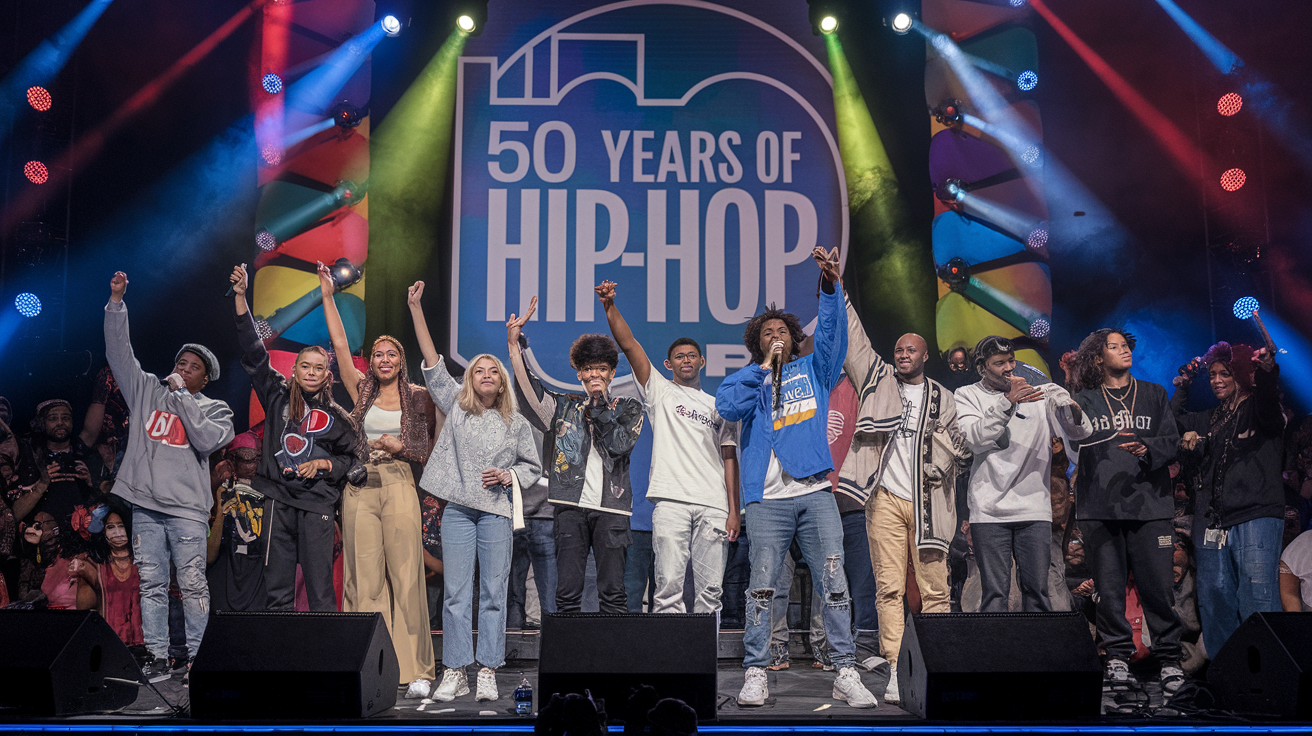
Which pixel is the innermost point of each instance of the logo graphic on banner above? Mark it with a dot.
(684, 150)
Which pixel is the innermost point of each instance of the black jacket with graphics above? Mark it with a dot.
(1242, 455)
(325, 432)
(1111, 483)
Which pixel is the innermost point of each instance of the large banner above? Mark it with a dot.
(683, 149)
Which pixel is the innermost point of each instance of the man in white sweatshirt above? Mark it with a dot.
(1009, 426)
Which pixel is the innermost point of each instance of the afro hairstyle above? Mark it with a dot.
(592, 349)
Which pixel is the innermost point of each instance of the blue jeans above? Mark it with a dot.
(736, 572)
(773, 524)
(534, 543)
(158, 539)
(1238, 580)
(469, 536)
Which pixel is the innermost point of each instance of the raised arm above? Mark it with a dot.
(254, 357)
(337, 334)
(831, 326)
(540, 403)
(862, 361)
(619, 329)
(414, 299)
(132, 380)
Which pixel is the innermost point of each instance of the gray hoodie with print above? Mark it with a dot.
(166, 465)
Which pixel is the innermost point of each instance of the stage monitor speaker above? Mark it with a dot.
(611, 654)
(294, 665)
(1265, 667)
(999, 666)
(56, 663)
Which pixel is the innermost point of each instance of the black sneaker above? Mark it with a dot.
(179, 663)
(155, 670)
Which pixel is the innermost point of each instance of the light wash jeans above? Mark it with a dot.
(468, 536)
(157, 539)
(772, 524)
(1240, 579)
(682, 532)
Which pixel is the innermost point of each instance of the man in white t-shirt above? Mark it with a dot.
(694, 469)
(1009, 426)
(1296, 574)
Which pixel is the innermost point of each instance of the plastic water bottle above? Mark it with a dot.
(524, 698)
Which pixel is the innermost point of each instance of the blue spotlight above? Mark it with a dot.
(1031, 155)
(272, 83)
(1040, 328)
(1225, 60)
(1027, 80)
(27, 304)
(315, 92)
(45, 61)
(901, 24)
(391, 25)
(1245, 306)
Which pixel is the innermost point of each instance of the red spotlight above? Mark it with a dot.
(272, 155)
(1229, 104)
(36, 172)
(1233, 179)
(39, 98)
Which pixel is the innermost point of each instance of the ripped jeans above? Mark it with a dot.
(772, 524)
(157, 540)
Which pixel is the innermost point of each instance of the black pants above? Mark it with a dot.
(1117, 549)
(1029, 543)
(607, 535)
(296, 536)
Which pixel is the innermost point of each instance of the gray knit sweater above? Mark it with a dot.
(471, 443)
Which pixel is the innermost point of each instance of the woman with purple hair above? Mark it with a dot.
(1236, 449)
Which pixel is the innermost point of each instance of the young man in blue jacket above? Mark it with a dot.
(782, 401)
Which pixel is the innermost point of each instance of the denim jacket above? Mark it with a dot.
(568, 421)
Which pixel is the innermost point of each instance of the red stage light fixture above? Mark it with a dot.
(39, 98)
(1229, 104)
(1233, 179)
(36, 172)
(272, 155)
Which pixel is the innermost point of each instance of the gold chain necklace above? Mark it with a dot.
(1132, 393)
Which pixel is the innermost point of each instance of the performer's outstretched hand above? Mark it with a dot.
(515, 326)
(118, 286)
(828, 262)
(414, 294)
(238, 280)
(326, 283)
(606, 292)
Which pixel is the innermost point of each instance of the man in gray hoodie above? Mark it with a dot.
(165, 476)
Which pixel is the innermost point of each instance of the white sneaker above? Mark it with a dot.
(420, 688)
(848, 686)
(755, 689)
(891, 695)
(453, 686)
(487, 684)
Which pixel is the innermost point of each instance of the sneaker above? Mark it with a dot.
(891, 695)
(848, 686)
(420, 688)
(777, 665)
(1116, 676)
(487, 684)
(755, 689)
(155, 670)
(186, 676)
(1172, 677)
(453, 686)
(179, 663)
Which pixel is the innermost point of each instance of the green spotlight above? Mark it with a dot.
(466, 24)
(828, 24)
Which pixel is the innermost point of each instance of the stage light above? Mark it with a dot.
(954, 190)
(1245, 306)
(345, 115)
(271, 154)
(1017, 3)
(828, 24)
(346, 274)
(901, 24)
(1040, 328)
(1229, 104)
(1038, 238)
(949, 114)
(36, 172)
(391, 25)
(1031, 155)
(39, 98)
(265, 240)
(466, 24)
(272, 83)
(1233, 179)
(1027, 80)
(27, 304)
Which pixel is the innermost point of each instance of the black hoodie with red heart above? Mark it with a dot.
(325, 432)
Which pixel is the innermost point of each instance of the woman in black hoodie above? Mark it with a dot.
(309, 450)
(1236, 450)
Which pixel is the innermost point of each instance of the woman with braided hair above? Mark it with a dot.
(1124, 501)
(383, 551)
(1236, 449)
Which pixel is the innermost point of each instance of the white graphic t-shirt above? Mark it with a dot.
(899, 475)
(687, 434)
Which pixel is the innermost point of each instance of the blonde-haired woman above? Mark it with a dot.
(484, 447)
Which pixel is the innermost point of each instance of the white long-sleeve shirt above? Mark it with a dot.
(1010, 475)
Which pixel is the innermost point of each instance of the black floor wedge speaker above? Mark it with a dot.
(294, 665)
(611, 654)
(1265, 667)
(999, 666)
(56, 663)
